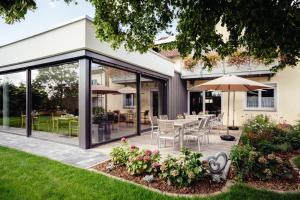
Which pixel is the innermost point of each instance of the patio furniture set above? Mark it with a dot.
(191, 128)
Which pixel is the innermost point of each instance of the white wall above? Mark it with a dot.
(149, 60)
(58, 40)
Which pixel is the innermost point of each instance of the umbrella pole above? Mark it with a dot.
(228, 104)
(233, 109)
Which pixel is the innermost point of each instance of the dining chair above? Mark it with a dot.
(154, 126)
(194, 113)
(198, 133)
(167, 131)
(163, 117)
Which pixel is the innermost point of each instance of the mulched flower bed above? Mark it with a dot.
(279, 185)
(206, 186)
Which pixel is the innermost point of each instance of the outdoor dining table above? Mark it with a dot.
(181, 124)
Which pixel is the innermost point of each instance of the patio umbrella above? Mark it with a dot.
(231, 83)
(102, 89)
(127, 90)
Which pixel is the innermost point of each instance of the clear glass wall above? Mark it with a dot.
(55, 103)
(151, 101)
(13, 102)
(113, 102)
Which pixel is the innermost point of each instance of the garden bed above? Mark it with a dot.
(276, 184)
(206, 186)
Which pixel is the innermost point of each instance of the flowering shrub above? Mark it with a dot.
(248, 163)
(142, 161)
(119, 155)
(258, 129)
(183, 171)
(242, 159)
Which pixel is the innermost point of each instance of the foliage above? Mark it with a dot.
(142, 161)
(238, 59)
(258, 129)
(183, 171)
(248, 163)
(297, 161)
(42, 177)
(120, 154)
(265, 29)
(242, 159)
(61, 85)
(98, 114)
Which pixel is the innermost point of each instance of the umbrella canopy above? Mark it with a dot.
(127, 90)
(101, 89)
(231, 83)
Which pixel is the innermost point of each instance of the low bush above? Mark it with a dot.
(250, 164)
(183, 171)
(143, 161)
(297, 161)
(258, 129)
(242, 160)
(120, 155)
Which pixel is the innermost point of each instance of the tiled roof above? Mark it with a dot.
(170, 53)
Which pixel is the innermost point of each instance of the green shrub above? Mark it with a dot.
(242, 160)
(297, 161)
(142, 161)
(258, 129)
(271, 166)
(119, 155)
(283, 147)
(183, 171)
(294, 139)
(266, 147)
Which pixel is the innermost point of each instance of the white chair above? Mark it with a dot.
(154, 126)
(217, 122)
(199, 133)
(163, 117)
(167, 131)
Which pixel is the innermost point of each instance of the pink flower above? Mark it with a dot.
(124, 140)
(156, 152)
(147, 158)
(139, 158)
(155, 165)
(132, 146)
(148, 152)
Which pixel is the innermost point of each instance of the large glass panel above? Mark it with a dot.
(213, 102)
(252, 99)
(113, 103)
(13, 102)
(151, 101)
(196, 102)
(55, 103)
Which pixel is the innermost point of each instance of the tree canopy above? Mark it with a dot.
(268, 30)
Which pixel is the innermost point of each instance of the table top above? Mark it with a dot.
(182, 122)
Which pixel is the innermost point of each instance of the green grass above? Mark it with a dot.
(297, 161)
(26, 176)
(44, 124)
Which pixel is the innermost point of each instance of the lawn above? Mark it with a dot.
(26, 176)
(297, 161)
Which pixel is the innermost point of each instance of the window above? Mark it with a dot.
(94, 82)
(128, 100)
(262, 99)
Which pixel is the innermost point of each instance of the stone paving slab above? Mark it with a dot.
(56, 151)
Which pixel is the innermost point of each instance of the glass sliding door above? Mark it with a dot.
(213, 102)
(196, 102)
(113, 103)
(55, 103)
(13, 102)
(151, 100)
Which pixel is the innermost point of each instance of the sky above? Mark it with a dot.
(50, 13)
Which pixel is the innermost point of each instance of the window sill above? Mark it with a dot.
(261, 109)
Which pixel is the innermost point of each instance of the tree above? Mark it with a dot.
(267, 30)
(60, 83)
